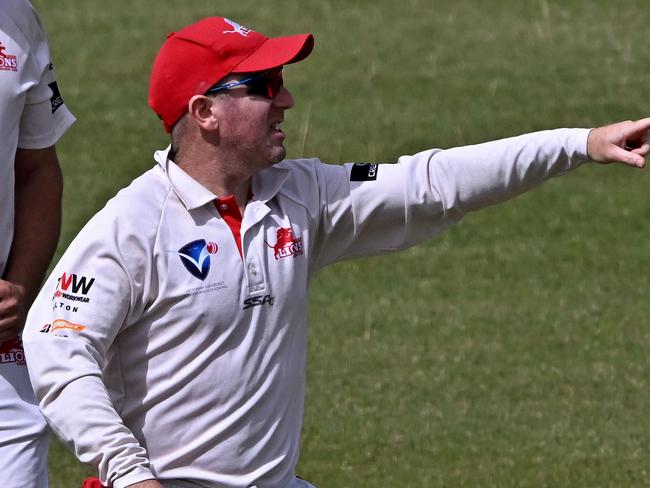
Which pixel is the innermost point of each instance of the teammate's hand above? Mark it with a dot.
(12, 309)
(625, 142)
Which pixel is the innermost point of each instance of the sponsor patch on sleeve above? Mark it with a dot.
(364, 172)
(56, 99)
(59, 327)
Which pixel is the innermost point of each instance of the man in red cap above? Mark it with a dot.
(168, 347)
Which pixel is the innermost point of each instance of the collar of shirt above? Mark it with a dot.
(265, 185)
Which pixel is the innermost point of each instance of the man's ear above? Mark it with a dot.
(201, 111)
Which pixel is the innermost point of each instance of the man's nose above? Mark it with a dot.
(283, 99)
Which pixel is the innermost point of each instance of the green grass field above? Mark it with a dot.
(509, 352)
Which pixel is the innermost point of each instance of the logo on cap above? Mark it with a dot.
(238, 29)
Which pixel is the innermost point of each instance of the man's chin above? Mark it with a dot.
(273, 157)
(279, 155)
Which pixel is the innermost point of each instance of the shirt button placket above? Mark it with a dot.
(254, 275)
(253, 270)
(252, 262)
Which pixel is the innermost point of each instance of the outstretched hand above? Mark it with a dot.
(625, 142)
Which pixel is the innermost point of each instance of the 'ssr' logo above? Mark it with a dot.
(195, 256)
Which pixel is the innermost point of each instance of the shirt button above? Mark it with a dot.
(252, 269)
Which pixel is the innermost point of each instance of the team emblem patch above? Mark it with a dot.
(8, 62)
(287, 244)
(195, 256)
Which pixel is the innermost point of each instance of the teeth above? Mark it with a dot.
(276, 126)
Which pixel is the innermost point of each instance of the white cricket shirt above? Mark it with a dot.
(158, 345)
(32, 113)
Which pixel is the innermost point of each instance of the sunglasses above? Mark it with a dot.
(266, 84)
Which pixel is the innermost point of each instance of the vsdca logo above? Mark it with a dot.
(195, 256)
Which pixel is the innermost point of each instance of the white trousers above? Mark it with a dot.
(23, 432)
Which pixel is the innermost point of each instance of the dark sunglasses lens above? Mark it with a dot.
(267, 86)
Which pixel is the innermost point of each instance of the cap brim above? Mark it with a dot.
(277, 51)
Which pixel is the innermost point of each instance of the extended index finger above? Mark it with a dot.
(637, 140)
(639, 127)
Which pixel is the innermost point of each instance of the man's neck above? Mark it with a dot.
(220, 178)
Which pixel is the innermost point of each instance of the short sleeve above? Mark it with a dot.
(45, 116)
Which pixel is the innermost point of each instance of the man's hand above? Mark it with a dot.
(147, 484)
(12, 309)
(625, 142)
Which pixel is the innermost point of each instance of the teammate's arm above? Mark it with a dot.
(95, 292)
(38, 189)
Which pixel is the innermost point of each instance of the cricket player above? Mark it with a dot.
(168, 347)
(32, 119)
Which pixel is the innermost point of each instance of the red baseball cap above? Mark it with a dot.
(196, 57)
